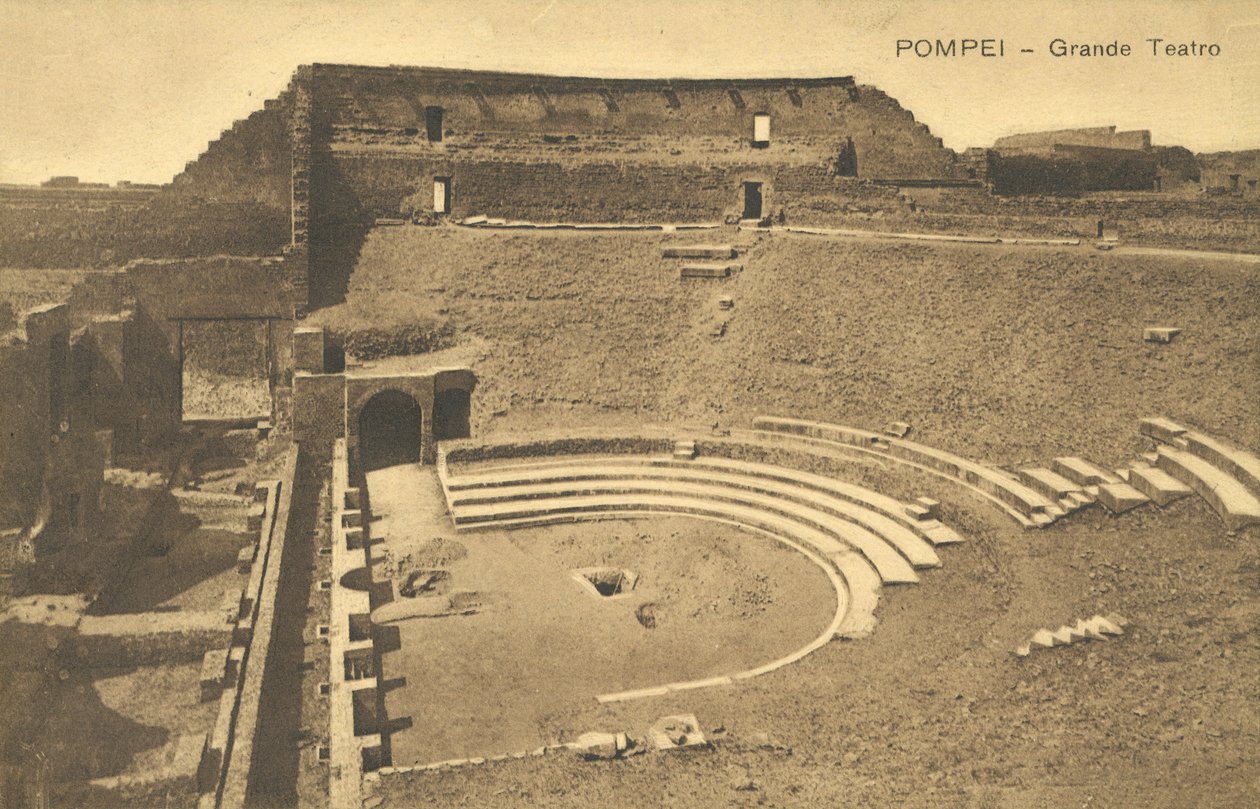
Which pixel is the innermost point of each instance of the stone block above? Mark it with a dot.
(1159, 334)
(1161, 429)
(245, 558)
(254, 521)
(1120, 497)
(685, 450)
(599, 745)
(699, 251)
(1081, 471)
(897, 429)
(213, 673)
(708, 270)
(917, 512)
(1049, 484)
(1161, 487)
(933, 506)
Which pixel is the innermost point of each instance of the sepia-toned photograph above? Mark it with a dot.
(584, 405)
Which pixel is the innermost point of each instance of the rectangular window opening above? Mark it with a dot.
(761, 130)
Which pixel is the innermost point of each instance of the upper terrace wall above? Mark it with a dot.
(581, 149)
(486, 110)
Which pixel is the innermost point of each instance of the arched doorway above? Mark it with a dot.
(389, 431)
(450, 414)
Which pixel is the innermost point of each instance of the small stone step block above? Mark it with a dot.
(1120, 497)
(1161, 429)
(1161, 487)
(708, 270)
(685, 450)
(699, 251)
(1082, 472)
(1159, 334)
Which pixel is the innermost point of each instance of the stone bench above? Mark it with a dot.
(612, 476)
(821, 531)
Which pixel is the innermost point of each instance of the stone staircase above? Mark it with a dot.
(717, 266)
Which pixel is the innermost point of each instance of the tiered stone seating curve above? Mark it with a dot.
(863, 539)
(1227, 477)
(1028, 507)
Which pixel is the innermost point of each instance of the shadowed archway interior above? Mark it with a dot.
(389, 430)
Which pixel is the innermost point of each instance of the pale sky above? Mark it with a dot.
(133, 89)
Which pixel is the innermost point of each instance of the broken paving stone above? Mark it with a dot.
(677, 731)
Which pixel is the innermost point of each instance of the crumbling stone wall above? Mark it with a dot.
(50, 461)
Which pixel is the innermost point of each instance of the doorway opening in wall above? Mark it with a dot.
(450, 414)
(752, 201)
(389, 431)
(433, 123)
(441, 194)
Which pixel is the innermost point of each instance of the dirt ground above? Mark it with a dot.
(935, 710)
(1002, 353)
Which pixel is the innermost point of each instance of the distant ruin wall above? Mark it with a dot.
(1099, 136)
(67, 236)
(1072, 170)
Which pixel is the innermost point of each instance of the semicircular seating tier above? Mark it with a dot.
(861, 538)
(1226, 476)
(1028, 506)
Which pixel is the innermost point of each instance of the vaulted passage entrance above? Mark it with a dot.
(389, 431)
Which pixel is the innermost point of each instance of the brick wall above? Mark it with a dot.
(319, 412)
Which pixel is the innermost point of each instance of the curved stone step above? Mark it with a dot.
(1016, 498)
(1241, 464)
(613, 475)
(885, 556)
(1232, 500)
(932, 530)
(892, 568)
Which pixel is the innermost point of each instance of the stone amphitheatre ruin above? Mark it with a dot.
(449, 437)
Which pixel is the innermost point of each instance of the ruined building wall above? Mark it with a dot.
(1072, 170)
(50, 462)
(539, 147)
